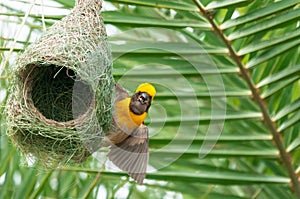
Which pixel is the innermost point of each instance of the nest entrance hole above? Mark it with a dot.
(57, 93)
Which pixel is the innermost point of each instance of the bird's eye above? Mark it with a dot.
(143, 98)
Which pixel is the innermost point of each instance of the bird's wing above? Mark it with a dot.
(132, 155)
(120, 93)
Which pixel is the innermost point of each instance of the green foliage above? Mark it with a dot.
(229, 67)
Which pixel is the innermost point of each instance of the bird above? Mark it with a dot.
(127, 137)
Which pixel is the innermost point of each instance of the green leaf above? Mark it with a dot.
(291, 121)
(28, 184)
(118, 18)
(218, 178)
(41, 186)
(163, 48)
(283, 74)
(272, 53)
(214, 177)
(265, 25)
(294, 145)
(269, 43)
(272, 90)
(290, 108)
(205, 94)
(221, 138)
(6, 161)
(194, 153)
(66, 3)
(167, 72)
(225, 4)
(240, 116)
(14, 49)
(159, 4)
(260, 13)
(54, 17)
(276, 193)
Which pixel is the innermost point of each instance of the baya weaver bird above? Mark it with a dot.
(128, 136)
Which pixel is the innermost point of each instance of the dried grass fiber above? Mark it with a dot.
(60, 101)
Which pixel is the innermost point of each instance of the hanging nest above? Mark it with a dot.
(60, 102)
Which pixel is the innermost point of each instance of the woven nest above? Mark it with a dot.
(60, 102)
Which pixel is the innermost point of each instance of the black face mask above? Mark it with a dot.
(140, 103)
(144, 98)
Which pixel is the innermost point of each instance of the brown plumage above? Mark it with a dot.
(128, 136)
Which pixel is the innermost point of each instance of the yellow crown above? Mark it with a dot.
(147, 88)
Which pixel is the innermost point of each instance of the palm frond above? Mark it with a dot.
(225, 121)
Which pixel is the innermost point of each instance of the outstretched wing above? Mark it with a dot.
(132, 155)
(120, 93)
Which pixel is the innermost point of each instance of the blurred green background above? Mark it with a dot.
(225, 121)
